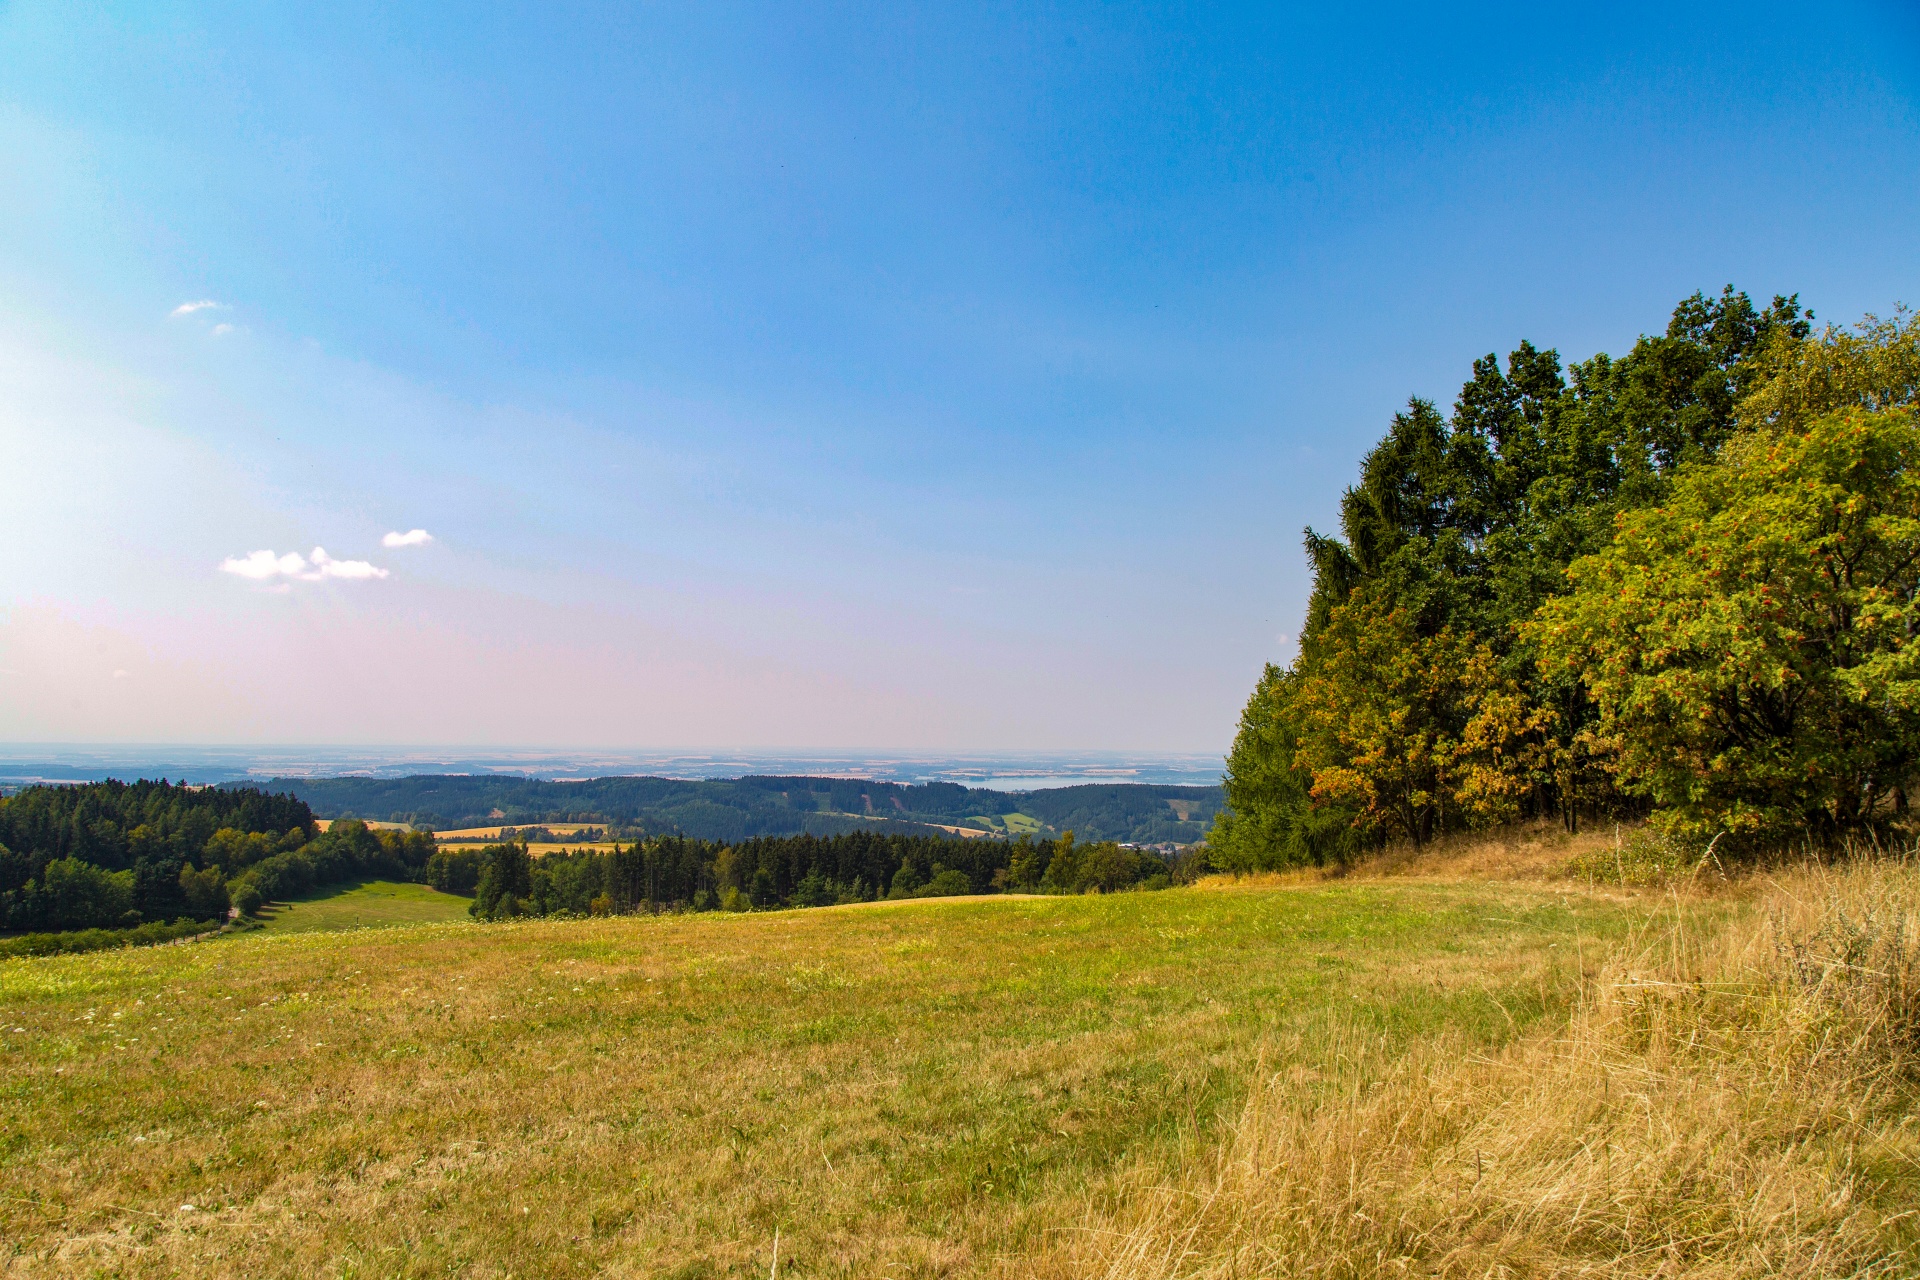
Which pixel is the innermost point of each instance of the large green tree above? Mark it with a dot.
(1417, 701)
(1748, 643)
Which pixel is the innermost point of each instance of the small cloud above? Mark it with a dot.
(263, 566)
(325, 566)
(411, 538)
(119, 674)
(188, 308)
(221, 330)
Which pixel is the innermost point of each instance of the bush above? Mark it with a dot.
(48, 944)
(947, 884)
(246, 896)
(205, 892)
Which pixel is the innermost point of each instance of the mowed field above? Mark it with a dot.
(367, 904)
(921, 1088)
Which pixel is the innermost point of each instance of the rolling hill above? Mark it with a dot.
(740, 808)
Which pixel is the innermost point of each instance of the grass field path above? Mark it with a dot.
(914, 1091)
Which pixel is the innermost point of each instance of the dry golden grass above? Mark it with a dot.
(919, 1090)
(1384, 1074)
(1724, 1103)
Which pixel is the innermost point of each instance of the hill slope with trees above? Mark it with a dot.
(736, 809)
(1681, 583)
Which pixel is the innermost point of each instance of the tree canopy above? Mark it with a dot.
(1679, 580)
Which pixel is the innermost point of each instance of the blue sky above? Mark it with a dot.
(818, 377)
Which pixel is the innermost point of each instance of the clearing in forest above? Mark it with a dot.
(364, 904)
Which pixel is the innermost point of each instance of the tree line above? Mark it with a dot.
(737, 809)
(131, 856)
(119, 855)
(1679, 583)
(676, 873)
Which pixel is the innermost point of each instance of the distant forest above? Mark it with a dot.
(672, 873)
(118, 855)
(743, 808)
(128, 857)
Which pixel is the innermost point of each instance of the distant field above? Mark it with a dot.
(367, 904)
(324, 823)
(493, 833)
(920, 1090)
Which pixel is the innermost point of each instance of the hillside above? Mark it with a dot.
(912, 1084)
(1355, 1077)
(740, 808)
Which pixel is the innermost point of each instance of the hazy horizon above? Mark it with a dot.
(29, 763)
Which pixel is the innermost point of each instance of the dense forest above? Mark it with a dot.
(119, 855)
(742, 808)
(678, 873)
(1681, 583)
(114, 855)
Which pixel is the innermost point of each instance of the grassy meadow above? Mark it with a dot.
(921, 1088)
(1217, 1081)
(362, 905)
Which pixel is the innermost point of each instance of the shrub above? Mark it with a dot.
(947, 884)
(205, 892)
(246, 896)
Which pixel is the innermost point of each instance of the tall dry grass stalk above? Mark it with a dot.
(1740, 1104)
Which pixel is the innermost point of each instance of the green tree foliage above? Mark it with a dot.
(455, 870)
(1418, 701)
(1749, 643)
(78, 895)
(233, 864)
(738, 809)
(347, 850)
(169, 847)
(673, 873)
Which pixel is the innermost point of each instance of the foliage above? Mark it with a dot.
(1749, 643)
(347, 850)
(455, 870)
(116, 853)
(1381, 713)
(672, 873)
(1418, 702)
(79, 940)
(737, 809)
(1267, 821)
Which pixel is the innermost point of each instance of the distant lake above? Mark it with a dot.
(27, 763)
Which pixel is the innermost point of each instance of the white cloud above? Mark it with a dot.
(188, 308)
(261, 565)
(264, 565)
(221, 330)
(325, 566)
(411, 538)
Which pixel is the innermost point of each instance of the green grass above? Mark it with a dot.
(367, 904)
(913, 1089)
